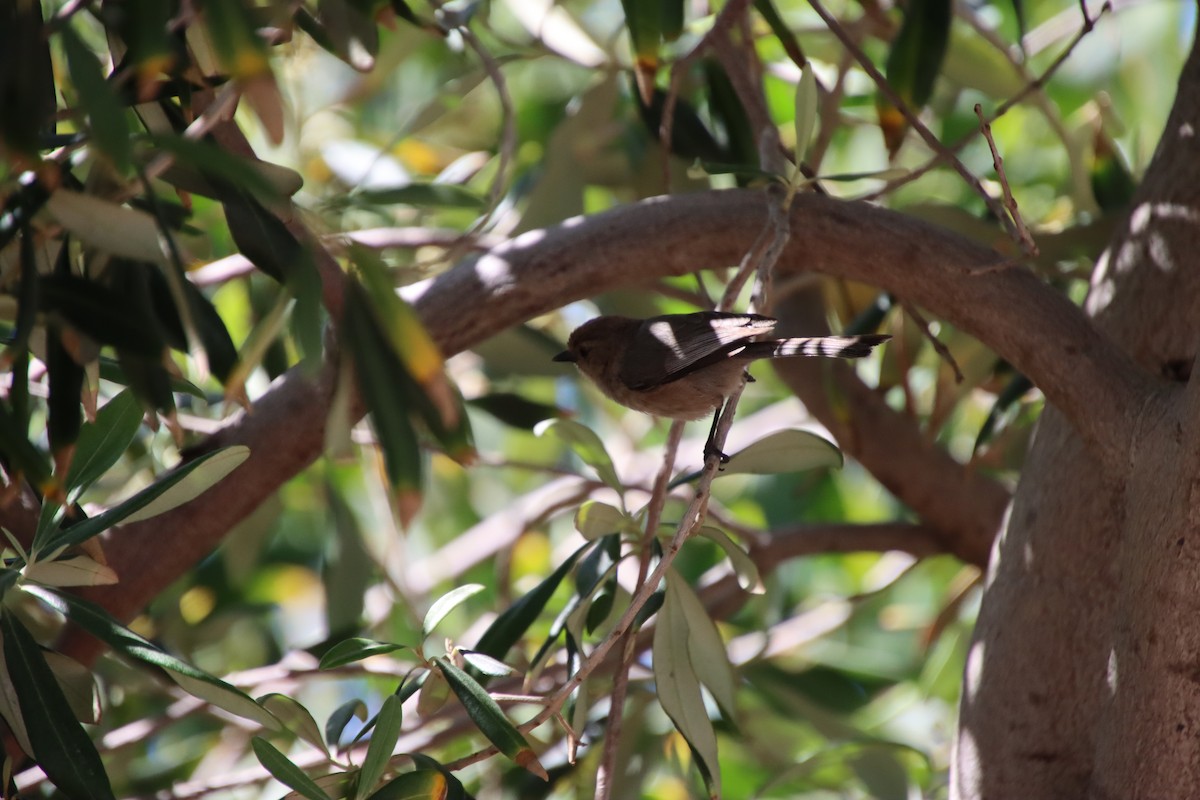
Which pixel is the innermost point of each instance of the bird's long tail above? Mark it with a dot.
(827, 346)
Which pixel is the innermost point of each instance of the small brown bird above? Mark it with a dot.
(683, 366)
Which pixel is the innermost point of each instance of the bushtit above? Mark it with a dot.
(683, 366)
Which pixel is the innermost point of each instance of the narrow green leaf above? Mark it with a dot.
(679, 688)
(352, 650)
(806, 110)
(507, 628)
(23, 456)
(486, 665)
(644, 20)
(743, 566)
(447, 603)
(66, 386)
(214, 336)
(206, 169)
(295, 718)
(515, 410)
(157, 497)
(204, 473)
(260, 235)
(103, 442)
(108, 316)
(489, 718)
(61, 747)
(335, 726)
(706, 649)
(285, 771)
(106, 114)
(379, 750)
(913, 64)
(422, 383)
(98, 623)
(586, 444)
(595, 520)
(784, 451)
(378, 369)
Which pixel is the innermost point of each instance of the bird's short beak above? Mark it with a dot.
(565, 355)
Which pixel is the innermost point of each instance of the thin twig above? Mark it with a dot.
(938, 347)
(1036, 85)
(605, 779)
(508, 131)
(1010, 202)
(911, 117)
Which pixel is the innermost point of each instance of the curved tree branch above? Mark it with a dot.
(1026, 322)
(1040, 332)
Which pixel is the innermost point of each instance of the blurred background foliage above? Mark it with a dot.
(401, 156)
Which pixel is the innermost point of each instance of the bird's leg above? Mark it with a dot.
(710, 444)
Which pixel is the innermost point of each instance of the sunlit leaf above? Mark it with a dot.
(586, 444)
(110, 227)
(743, 566)
(76, 571)
(295, 717)
(201, 475)
(806, 110)
(447, 603)
(486, 665)
(595, 519)
(782, 452)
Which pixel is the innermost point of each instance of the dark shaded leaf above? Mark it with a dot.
(27, 94)
(913, 64)
(61, 747)
(356, 649)
(284, 770)
(511, 625)
(106, 113)
(379, 370)
(515, 410)
(489, 718)
(106, 315)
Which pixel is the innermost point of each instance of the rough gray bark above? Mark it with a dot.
(1084, 675)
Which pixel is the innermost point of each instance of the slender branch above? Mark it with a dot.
(835, 26)
(1010, 202)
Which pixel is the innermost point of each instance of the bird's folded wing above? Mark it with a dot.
(670, 347)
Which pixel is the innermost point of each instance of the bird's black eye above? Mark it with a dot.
(582, 350)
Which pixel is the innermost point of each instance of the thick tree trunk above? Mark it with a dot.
(1084, 675)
